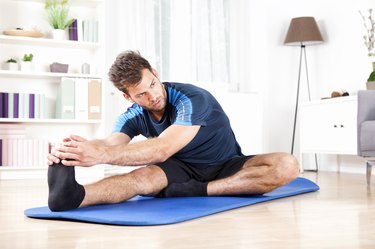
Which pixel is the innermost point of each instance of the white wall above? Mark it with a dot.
(341, 62)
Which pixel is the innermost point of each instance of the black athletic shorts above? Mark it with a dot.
(178, 171)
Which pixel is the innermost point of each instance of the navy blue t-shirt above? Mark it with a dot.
(187, 105)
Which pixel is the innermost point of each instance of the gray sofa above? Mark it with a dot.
(366, 128)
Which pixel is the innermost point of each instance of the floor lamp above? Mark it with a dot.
(302, 31)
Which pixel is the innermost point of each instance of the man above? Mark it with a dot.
(190, 151)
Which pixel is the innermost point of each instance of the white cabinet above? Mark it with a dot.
(329, 126)
(30, 13)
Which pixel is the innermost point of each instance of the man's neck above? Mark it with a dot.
(157, 116)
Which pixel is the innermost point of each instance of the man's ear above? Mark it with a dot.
(127, 97)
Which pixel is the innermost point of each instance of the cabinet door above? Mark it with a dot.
(329, 127)
(315, 129)
(344, 122)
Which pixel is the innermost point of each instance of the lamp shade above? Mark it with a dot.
(303, 31)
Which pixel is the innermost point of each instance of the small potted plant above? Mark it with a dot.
(11, 65)
(58, 12)
(27, 63)
(370, 84)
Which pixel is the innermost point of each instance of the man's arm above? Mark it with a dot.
(146, 152)
(115, 138)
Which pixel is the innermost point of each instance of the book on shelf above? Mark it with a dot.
(65, 101)
(1, 152)
(94, 99)
(26, 103)
(73, 32)
(79, 99)
(5, 104)
(16, 105)
(1, 105)
(31, 105)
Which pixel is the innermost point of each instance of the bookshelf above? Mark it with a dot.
(30, 13)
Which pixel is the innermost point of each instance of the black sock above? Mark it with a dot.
(185, 189)
(64, 191)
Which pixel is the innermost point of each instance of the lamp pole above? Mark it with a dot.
(297, 98)
(302, 54)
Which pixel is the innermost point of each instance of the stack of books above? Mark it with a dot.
(79, 99)
(84, 30)
(18, 150)
(22, 105)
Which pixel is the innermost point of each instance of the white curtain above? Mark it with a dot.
(185, 40)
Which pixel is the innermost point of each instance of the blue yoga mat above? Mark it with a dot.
(147, 211)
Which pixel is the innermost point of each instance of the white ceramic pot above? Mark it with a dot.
(27, 66)
(11, 66)
(59, 34)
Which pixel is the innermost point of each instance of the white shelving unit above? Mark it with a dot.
(30, 13)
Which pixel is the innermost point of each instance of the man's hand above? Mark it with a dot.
(52, 157)
(78, 151)
(55, 154)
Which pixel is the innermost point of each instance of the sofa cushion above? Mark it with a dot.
(367, 136)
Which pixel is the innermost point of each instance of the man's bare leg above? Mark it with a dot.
(148, 180)
(260, 174)
(65, 193)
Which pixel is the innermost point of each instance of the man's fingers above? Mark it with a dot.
(68, 156)
(70, 162)
(52, 159)
(70, 143)
(77, 138)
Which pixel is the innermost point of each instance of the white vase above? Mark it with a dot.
(59, 34)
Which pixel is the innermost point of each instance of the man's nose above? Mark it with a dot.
(151, 96)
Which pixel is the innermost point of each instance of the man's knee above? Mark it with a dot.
(287, 167)
(149, 180)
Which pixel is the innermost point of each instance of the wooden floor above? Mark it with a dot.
(341, 215)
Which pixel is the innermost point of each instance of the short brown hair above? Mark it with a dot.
(127, 69)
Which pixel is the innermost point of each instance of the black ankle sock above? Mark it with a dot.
(185, 189)
(64, 191)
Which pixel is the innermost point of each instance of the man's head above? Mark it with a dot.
(133, 75)
(127, 69)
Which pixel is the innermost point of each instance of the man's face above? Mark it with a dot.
(149, 93)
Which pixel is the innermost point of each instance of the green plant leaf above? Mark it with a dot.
(58, 13)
